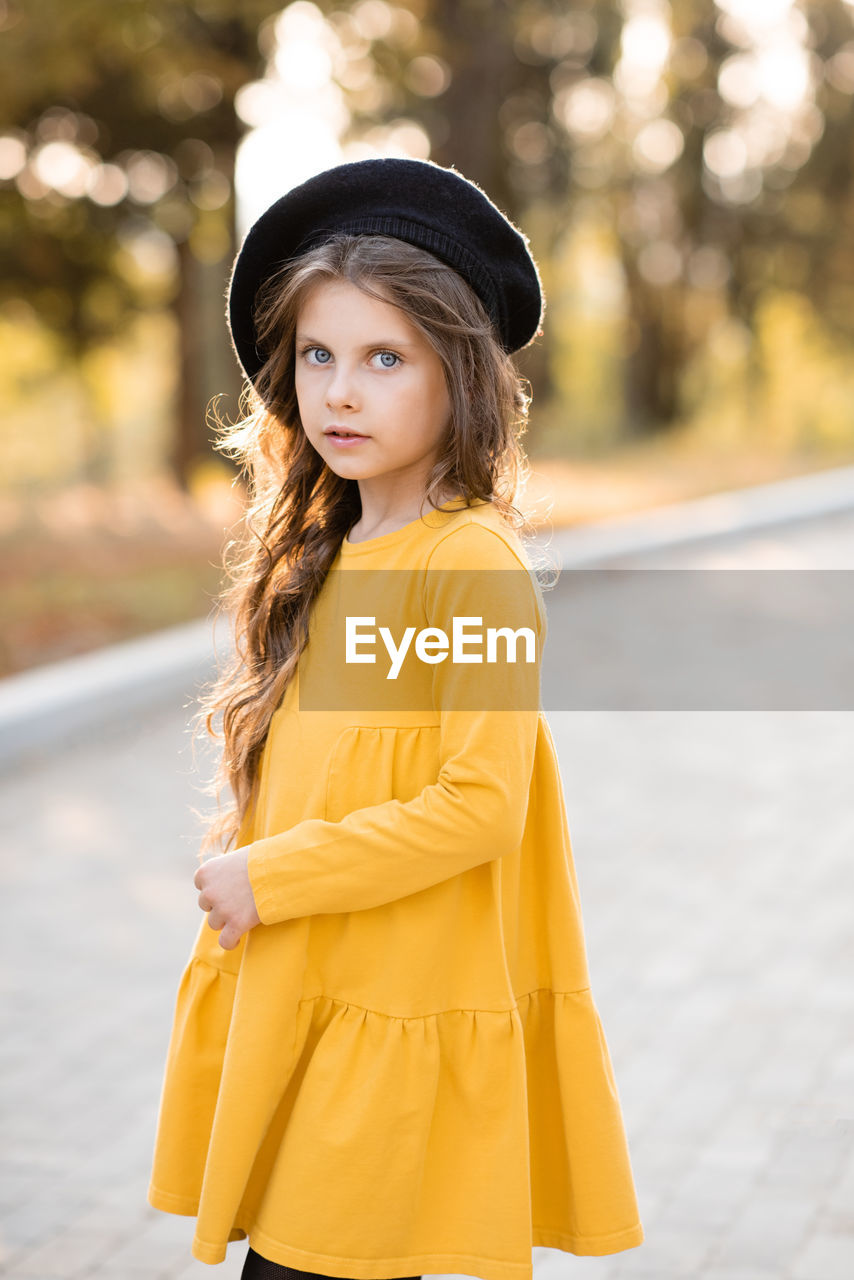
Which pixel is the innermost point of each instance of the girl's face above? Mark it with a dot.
(363, 367)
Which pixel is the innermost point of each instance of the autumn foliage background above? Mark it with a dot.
(683, 171)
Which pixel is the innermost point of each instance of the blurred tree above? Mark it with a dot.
(714, 140)
(712, 137)
(478, 79)
(525, 99)
(691, 128)
(812, 197)
(120, 136)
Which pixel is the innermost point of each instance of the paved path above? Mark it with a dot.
(714, 853)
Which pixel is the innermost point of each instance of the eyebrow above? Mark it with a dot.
(369, 346)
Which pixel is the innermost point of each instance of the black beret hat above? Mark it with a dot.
(418, 201)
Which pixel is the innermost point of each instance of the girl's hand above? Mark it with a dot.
(226, 893)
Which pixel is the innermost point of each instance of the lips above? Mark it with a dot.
(341, 433)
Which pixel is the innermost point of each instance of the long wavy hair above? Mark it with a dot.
(299, 510)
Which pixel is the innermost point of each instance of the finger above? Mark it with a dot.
(227, 939)
(216, 919)
(203, 902)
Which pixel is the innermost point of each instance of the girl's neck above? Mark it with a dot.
(377, 525)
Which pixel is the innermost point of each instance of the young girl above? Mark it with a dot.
(386, 1060)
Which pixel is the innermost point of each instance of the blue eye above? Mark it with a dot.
(307, 349)
(382, 354)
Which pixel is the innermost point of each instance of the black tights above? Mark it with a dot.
(257, 1268)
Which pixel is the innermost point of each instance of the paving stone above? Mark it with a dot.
(765, 1235)
(22, 1228)
(738, 1273)
(810, 1161)
(825, 1256)
(23, 1275)
(840, 1197)
(123, 1221)
(146, 1244)
(554, 1264)
(667, 1254)
(228, 1270)
(70, 1254)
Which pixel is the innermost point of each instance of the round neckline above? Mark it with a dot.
(394, 535)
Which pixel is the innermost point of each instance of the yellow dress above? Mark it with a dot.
(402, 1070)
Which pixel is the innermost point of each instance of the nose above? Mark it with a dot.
(341, 388)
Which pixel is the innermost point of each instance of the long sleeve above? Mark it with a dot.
(476, 809)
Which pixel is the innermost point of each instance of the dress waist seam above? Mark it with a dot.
(413, 1017)
(409, 1017)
